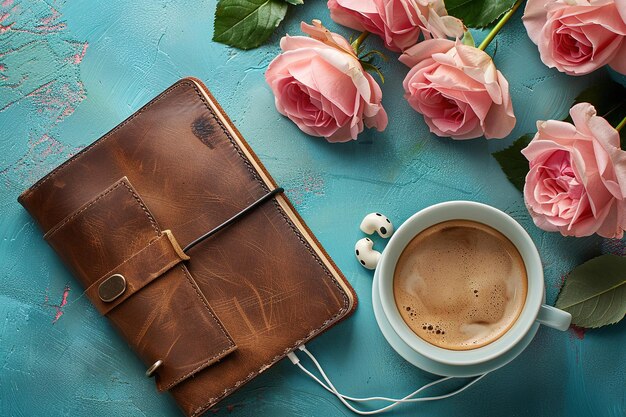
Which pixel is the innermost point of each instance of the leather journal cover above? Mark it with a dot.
(205, 320)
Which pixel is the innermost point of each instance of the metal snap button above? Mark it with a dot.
(153, 368)
(111, 288)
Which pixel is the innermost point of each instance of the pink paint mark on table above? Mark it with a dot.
(4, 15)
(42, 153)
(78, 57)
(578, 332)
(58, 307)
(57, 90)
(52, 146)
(4, 29)
(50, 23)
(311, 185)
(54, 15)
(58, 99)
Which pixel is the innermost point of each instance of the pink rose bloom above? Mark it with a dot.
(458, 90)
(321, 86)
(577, 179)
(397, 22)
(578, 36)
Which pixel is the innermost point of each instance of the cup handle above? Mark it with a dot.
(553, 317)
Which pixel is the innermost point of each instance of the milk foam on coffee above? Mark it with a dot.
(460, 284)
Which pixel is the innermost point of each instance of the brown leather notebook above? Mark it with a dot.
(208, 319)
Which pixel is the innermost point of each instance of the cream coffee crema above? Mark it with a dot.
(460, 284)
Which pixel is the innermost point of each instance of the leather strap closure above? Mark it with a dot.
(149, 263)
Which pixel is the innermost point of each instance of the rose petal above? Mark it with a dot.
(423, 50)
(534, 18)
(618, 62)
(501, 119)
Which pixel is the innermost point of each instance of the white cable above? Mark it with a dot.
(331, 388)
(405, 399)
(408, 398)
(402, 400)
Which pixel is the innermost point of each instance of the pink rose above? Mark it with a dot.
(458, 90)
(577, 178)
(321, 86)
(397, 22)
(578, 36)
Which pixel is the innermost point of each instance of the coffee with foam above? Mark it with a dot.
(460, 284)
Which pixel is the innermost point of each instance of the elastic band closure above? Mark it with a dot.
(236, 217)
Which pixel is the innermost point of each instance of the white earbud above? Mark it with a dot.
(376, 222)
(367, 256)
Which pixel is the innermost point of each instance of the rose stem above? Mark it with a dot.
(357, 42)
(621, 124)
(499, 25)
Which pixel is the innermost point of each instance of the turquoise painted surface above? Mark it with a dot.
(69, 71)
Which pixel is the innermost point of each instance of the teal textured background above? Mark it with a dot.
(72, 70)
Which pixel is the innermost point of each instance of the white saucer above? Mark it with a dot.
(431, 366)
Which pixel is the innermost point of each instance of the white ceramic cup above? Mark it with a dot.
(533, 311)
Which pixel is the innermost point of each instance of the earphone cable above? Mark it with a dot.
(344, 398)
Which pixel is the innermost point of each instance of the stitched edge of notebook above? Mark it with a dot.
(87, 206)
(231, 343)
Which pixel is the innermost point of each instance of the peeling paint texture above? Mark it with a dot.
(72, 70)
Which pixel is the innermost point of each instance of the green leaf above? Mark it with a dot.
(609, 99)
(246, 24)
(368, 66)
(468, 39)
(595, 292)
(513, 163)
(295, 2)
(372, 53)
(478, 13)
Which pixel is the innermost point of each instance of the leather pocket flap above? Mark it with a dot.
(134, 273)
(148, 264)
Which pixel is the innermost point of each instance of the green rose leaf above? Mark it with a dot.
(595, 292)
(295, 2)
(513, 163)
(246, 24)
(609, 99)
(478, 13)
